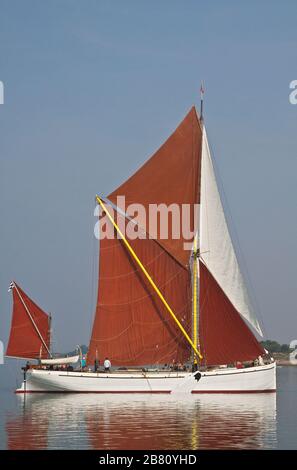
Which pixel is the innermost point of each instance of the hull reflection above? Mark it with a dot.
(144, 422)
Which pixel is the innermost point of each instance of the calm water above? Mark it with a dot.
(152, 422)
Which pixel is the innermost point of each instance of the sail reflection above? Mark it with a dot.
(143, 422)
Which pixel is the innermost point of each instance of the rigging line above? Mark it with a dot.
(93, 300)
(132, 252)
(30, 316)
(146, 378)
(237, 247)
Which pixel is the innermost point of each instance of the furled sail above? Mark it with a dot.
(30, 328)
(170, 176)
(224, 336)
(60, 360)
(216, 246)
(131, 325)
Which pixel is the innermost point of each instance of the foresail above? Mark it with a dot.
(216, 248)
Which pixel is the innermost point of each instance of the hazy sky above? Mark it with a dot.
(93, 88)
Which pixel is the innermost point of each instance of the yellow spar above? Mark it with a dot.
(145, 272)
(195, 315)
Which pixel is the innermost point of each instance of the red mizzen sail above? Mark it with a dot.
(132, 326)
(24, 340)
(224, 336)
(170, 176)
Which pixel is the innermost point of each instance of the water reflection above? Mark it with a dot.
(26, 430)
(143, 422)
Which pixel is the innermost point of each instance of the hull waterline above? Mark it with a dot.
(258, 379)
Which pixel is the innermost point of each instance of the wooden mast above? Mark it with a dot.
(195, 256)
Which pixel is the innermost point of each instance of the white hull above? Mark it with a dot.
(250, 380)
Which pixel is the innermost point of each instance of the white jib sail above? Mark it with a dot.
(216, 246)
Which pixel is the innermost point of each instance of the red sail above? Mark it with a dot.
(224, 336)
(132, 326)
(170, 176)
(24, 340)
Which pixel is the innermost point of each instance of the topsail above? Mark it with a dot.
(170, 176)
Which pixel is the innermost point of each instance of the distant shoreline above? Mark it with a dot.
(284, 363)
(282, 359)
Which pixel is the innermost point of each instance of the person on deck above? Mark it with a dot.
(83, 362)
(107, 365)
(261, 361)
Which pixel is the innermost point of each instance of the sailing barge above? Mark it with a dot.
(160, 303)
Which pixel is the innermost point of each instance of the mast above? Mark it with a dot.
(195, 299)
(201, 103)
(195, 265)
(31, 318)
